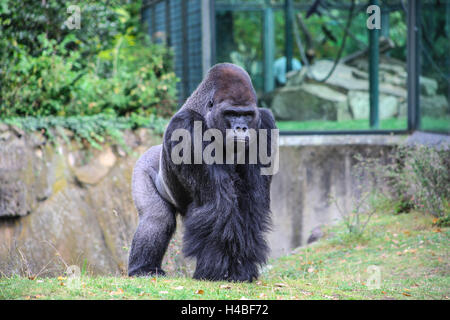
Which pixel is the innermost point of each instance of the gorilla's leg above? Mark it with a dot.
(156, 218)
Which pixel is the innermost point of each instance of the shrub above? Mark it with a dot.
(417, 177)
(108, 66)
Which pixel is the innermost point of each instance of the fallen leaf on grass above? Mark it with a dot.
(406, 294)
(280, 285)
(225, 286)
(61, 278)
(119, 291)
(200, 291)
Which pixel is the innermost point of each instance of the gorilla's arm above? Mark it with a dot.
(156, 218)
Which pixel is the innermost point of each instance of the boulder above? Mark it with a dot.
(435, 106)
(360, 105)
(428, 86)
(309, 102)
(96, 169)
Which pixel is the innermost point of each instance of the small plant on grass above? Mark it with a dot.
(418, 177)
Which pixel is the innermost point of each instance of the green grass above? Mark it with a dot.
(433, 124)
(412, 254)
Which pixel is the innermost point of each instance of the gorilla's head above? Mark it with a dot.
(232, 102)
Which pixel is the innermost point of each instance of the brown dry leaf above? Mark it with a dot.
(437, 230)
(61, 278)
(225, 286)
(407, 232)
(280, 285)
(62, 284)
(119, 291)
(383, 292)
(406, 294)
(200, 291)
(31, 277)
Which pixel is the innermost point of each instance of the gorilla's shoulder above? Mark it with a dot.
(267, 119)
(184, 118)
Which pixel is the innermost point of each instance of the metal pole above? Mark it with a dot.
(269, 48)
(413, 65)
(373, 73)
(288, 14)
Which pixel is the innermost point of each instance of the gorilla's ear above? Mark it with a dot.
(267, 120)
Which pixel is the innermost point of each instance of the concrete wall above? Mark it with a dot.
(313, 169)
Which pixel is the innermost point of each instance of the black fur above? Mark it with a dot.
(225, 208)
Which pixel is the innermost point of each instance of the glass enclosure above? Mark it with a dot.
(434, 81)
(329, 81)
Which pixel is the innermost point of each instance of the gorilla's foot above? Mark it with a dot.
(147, 272)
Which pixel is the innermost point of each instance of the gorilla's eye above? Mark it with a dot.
(210, 105)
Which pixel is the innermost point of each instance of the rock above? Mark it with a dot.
(316, 234)
(3, 127)
(97, 168)
(428, 86)
(435, 106)
(58, 221)
(360, 105)
(4, 136)
(309, 102)
(295, 78)
(343, 79)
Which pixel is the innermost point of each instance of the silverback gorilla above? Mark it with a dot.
(225, 207)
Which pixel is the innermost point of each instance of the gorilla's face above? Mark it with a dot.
(233, 108)
(233, 119)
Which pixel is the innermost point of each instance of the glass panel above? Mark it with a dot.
(299, 101)
(239, 41)
(435, 66)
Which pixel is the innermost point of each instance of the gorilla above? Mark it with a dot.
(225, 207)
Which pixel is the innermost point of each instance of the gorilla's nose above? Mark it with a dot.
(240, 128)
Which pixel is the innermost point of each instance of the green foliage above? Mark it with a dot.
(90, 129)
(108, 66)
(417, 178)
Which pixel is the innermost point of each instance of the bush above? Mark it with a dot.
(108, 66)
(418, 177)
